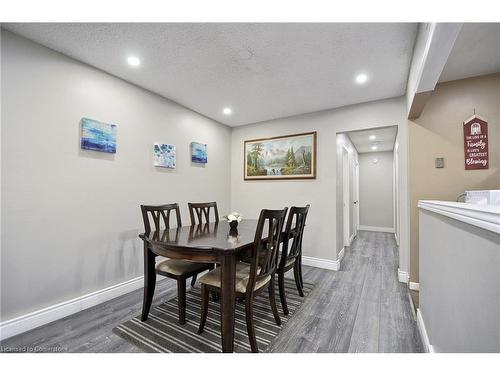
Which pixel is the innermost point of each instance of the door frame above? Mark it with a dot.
(396, 194)
(356, 198)
(345, 194)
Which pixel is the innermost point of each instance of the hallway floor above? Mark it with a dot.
(361, 308)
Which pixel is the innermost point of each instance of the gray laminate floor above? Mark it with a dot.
(361, 308)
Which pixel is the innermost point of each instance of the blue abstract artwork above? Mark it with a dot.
(164, 155)
(98, 136)
(198, 152)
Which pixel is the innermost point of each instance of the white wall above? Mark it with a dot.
(376, 190)
(70, 218)
(248, 197)
(460, 280)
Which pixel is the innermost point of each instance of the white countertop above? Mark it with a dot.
(483, 216)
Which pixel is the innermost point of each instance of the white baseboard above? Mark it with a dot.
(423, 333)
(324, 263)
(52, 313)
(376, 229)
(403, 276)
(413, 308)
(351, 239)
(414, 286)
(396, 238)
(341, 255)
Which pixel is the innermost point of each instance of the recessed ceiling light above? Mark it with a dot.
(374, 148)
(372, 137)
(227, 111)
(361, 78)
(133, 61)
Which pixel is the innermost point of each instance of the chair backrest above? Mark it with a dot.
(159, 214)
(201, 211)
(266, 245)
(294, 231)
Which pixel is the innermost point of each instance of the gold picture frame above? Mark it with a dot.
(285, 157)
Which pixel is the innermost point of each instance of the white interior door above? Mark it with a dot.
(345, 195)
(356, 198)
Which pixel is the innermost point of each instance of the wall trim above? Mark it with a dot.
(414, 286)
(482, 216)
(350, 241)
(403, 276)
(58, 311)
(376, 229)
(423, 333)
(326, 264)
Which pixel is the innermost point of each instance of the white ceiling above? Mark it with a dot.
(385, 138)
(261, 70)
(475, 52)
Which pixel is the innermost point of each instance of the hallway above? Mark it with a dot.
(361, 308)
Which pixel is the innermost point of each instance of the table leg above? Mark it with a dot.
(149, 281)
(228, 270)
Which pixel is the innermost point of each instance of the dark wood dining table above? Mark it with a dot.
(211, 243)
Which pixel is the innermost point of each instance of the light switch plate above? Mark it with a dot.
(439, 162)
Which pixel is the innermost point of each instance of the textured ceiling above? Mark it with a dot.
(261, 70)
(476, 52)
(385, 139)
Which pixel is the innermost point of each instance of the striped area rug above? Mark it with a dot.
(162, 333)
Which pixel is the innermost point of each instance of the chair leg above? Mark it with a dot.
(204, 308)
(193, 280)
(181, 299)
(272, 300)
(281, 287)
(215, 296)
(296, 276)
(250, 327)
(299, 266)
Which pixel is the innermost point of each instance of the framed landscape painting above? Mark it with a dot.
(284, 157)
(98, 136)
(164, 155)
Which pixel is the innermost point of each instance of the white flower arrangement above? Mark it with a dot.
(233, 216)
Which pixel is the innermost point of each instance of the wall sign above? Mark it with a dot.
(476, 143)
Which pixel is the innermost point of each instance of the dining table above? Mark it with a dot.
(211, 242)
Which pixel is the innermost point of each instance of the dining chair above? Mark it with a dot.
(251, 278)
(291, 252)
(177, 269)
(201, 211)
